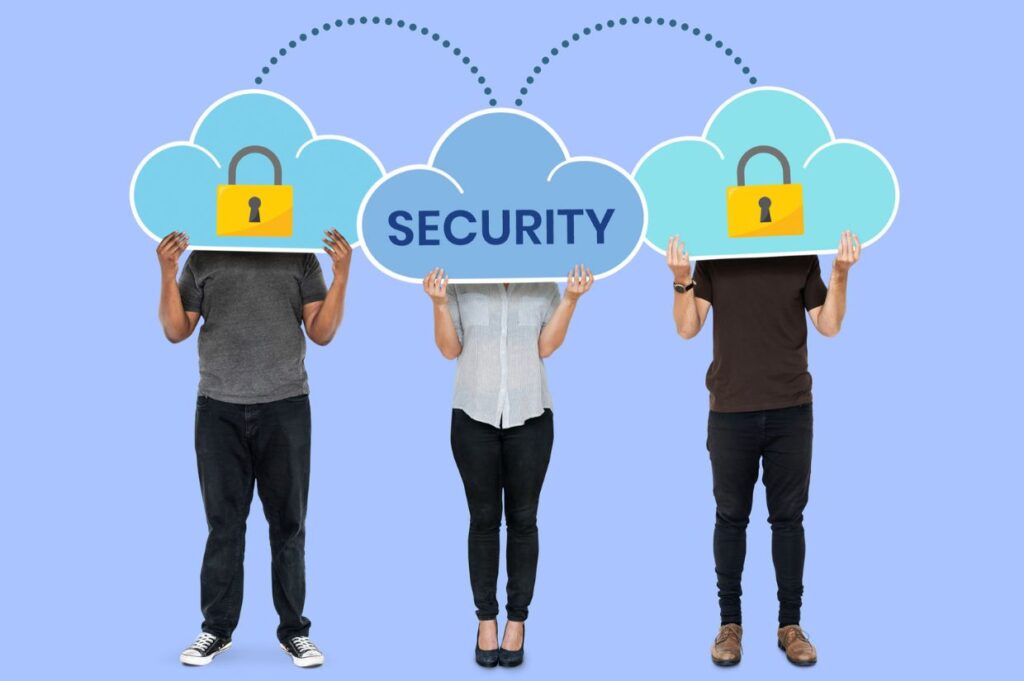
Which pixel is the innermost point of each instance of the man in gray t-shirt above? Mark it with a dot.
(252, 425)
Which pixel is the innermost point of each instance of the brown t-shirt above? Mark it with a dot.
(760, 329)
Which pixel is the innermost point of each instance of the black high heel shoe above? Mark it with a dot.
(513, 658)
(486, 658)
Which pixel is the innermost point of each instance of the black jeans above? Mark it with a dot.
(239, 446)
(738, 442)
(491, 461)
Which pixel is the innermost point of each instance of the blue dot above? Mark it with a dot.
(388, 21)
(435, 37)
(661, 21)
(457, 51)
(494, 102)
(265, 69)
(554, 51)
(481, 80)
(718, 43)
(599, 27)
(291, 43)
(536, 69)
(738, 60)
(362, 20)
(446, 43)
(586, 31)
(412, 27)
(545, 60)
(487, 90)
(696, 31)
(728, 51)
(684, 26)
(623, 21)
(672, 23)
(575, 36)
(282, 52)
(327, 27)
(465, 60)
(636, 20)
(473, 69)
(273, 60)
(746, 69)
(401, 23)
(424, 30)
(707, 36)
(351, 20)
(315, 31)
(753, 81)
(648, 20)
(565, 43)
(519, 102)
(258, 80)
(376, 20)
(338, 23)
(523, 91)
(611, 23)
(302, 36)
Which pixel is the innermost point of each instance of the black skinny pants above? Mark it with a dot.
(492, 462)
(239, 446)
(780, 440)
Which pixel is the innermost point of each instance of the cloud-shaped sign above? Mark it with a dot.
(501, 200)
(180, 186)
(845, 184)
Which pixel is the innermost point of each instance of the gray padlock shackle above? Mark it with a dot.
(255, 149)
(741, 167)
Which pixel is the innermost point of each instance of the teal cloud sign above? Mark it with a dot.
(189, 185)
(501, 199)
(693, 188)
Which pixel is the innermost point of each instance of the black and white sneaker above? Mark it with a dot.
(304, 652)
(204, 649)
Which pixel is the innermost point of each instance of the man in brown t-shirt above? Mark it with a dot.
(760, 412)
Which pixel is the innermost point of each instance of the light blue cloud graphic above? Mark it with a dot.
(846, 184)
(175, 186)
(544, 210)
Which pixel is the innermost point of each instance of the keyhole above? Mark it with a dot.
(254, 209)
(766, 204)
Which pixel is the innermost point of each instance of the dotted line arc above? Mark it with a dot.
(603, 26)
(412, 27)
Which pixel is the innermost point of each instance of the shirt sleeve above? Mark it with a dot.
(453, 309)
(554, 298)
(312, 288)
(814, 288)
(702, 276)
(188, 288)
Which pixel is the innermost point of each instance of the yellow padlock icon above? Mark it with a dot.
(764, 209)
(254, 209)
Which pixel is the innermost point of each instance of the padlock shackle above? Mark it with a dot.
(741, 167)
(254, 149)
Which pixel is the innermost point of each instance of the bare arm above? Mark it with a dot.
(688, 311)
(177, 323)
(435, 284)
(323, 317)
(828, 318)
(553, 334)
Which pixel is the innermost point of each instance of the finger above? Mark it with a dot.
(856, 247)
(167, 240)
(444, 286)
(590, 279)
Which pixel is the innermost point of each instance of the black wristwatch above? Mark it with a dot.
(683, 289)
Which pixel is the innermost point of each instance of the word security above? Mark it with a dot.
(461, 227)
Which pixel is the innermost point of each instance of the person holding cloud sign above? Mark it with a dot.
(761, 414)
(252, 425)
(502, 430)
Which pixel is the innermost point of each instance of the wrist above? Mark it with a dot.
(682, 281)
(169, 274)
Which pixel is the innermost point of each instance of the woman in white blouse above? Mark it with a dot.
(502, 430)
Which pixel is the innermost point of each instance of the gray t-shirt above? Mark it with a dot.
(251, 344)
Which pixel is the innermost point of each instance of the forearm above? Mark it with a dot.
(328, 317)
(830, 319)
(684, 312)
(553, 334)
(171, 312)
(445, 337)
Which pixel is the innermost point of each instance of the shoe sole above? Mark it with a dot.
(305, 663)
(726, 663)
(798, 663)
(487, 665)
(509, 665)
(193, 661)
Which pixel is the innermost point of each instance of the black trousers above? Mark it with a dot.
(780, 440)
(239, 446)
(497, 462)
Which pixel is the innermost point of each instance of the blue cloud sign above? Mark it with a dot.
(691, 182)
(501, 200)
(180, 186)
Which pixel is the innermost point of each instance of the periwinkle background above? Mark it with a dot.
(913, 529)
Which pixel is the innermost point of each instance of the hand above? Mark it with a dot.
(678, 261)
(848, 255)
(340, 251)
(436, 286)
(169, 250)
(579, 282)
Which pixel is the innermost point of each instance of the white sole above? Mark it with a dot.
(193, 661)
(304, 662)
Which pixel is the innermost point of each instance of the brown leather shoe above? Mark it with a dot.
(798, 649)
(727, 650)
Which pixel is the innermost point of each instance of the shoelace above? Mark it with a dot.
(304, 645)
(797, 634)
(203, 642)
(726, 634)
